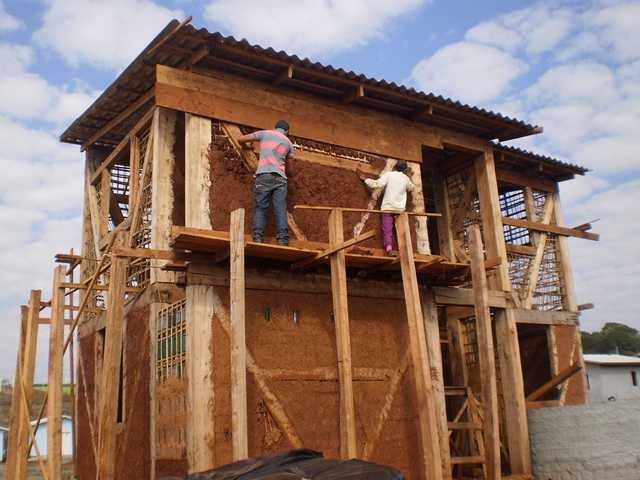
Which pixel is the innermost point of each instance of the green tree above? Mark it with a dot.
(613, 338)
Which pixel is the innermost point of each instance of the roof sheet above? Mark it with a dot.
(605, 359)
(180, 45)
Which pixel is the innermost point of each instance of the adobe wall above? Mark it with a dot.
(132, 436)
(590, 442)
(297, 365)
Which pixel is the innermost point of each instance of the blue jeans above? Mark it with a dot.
(271, 186)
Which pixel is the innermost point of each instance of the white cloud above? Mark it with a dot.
(469, 72)
(618, 26)
(105, 34)
(8, 23)
(308, 27)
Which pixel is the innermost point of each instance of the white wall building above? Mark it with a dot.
(41, 437)
(612, 377)
(4, 435)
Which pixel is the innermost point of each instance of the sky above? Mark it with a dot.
(570, 66)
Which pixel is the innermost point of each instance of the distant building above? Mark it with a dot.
(4, 434)
(612, 377)
(41, 437)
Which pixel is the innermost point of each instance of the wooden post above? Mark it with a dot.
(111, 363)
(238, 341)
(16, 465)
(444, 221)
(343, 338)
(200, 302)
(56, 365)
(570, 301)
(492, 218)
(485, 355)
(434, 350)
(417, 197)
(431, 449)
(513, 391)
(164, 125)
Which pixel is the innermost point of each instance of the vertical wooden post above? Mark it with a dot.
(421, 366)
(343, 338)
(570, 302)
(434, 350)
(111, 364)
(56, 365)
(492, 217)
(238, 341)
(513, 392)
(417, 197)
(444, 221)
(485, 355)
(200, 302)
(164, 125)
(16, 456)
(134, 171)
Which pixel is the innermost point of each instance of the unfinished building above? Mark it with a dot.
(197, 347)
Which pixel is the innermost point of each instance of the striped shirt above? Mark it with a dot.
(275, 149)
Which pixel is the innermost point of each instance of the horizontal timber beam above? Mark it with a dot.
(541, 227)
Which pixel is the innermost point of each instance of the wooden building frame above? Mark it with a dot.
(483, 266)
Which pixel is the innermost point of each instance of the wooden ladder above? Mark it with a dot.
(469, 448)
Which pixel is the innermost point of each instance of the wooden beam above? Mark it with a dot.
(224, 98)
(162, 201)
(308, 262)
(56, 365)
(539, 227)
(283, 77)
(200, 304)
(114, 331)
(465, 296)
(124, 145)
(521, 180)
(521, 249)
(239, 423)
(354, 94)
(486, 355)
(15, 454)
(554, 382)
(417, 198)
(430, 439)
(343, 338)
(135, 106)
(545, 317)
(492, 230)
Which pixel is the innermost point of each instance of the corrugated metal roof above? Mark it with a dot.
(180, 45)
(605, 359)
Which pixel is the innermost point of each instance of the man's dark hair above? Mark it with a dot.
(401, 166)
(283, 124)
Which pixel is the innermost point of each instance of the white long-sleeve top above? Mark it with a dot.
(395, 194)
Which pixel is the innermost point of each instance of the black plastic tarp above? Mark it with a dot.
(299, 464)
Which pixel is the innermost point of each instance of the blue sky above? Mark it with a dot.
(571, 66)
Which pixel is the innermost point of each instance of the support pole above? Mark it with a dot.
(486, 355)
(56, 365)
(114, 331)
(201, 303)
(421, 366)
(343, 338)
(238, 340)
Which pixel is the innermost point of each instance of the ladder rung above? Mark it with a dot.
(467, 460)
(452, 391)
(464, 426)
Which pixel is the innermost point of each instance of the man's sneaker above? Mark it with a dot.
(391, 253)
(257, 239)
(284, 243)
